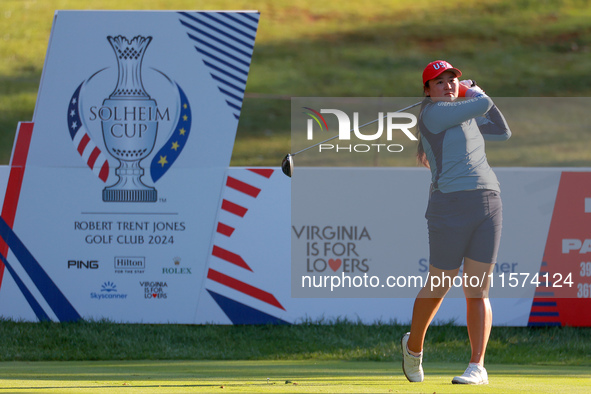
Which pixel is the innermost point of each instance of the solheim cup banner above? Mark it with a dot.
(133, 132)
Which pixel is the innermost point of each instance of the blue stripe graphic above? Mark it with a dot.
(171, 150)
(217, 59)
(542, 303)
(48, 289)
(253, 28)
(215, 29)
(544, 314)
(224, 91)
(544, 324)
(219, 41)
(210, 65)
(226, 40)
(37, 309)
(233, 105)
(236, 59)
(249, 17)
(226, 83)
(227, 25)
(239, 313)
(74, 122)
(544, 294)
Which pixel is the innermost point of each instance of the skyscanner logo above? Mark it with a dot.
(390, 123)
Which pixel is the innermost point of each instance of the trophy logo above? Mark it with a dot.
(129, 137)
(128, 121)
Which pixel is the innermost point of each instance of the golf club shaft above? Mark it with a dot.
(363, 125)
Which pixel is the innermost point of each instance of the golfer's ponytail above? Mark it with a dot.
(421, 155)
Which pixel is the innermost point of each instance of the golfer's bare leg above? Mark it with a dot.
(479, 312)
(426, 306)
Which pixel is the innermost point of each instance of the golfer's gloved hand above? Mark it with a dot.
(475, 91)
(464, 86)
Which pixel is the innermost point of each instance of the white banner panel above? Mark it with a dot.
(389, 205)
(257, 236)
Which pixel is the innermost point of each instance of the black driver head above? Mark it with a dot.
(287, 165)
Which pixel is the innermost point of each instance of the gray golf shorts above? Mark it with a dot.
(464, 224)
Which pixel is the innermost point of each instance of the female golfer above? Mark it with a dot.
(464, 214)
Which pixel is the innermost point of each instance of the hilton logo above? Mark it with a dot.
(130, 265)
(129, 123)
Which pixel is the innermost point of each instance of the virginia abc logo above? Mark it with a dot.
(388, 122)
(123, 112)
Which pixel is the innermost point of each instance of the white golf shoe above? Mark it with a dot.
(474, 374)
(411, 365)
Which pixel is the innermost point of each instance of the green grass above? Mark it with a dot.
(338, 356)
(338, 340)
(104, 357)
(513, 48)
(277, 377)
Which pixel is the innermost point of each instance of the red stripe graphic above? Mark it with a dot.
(544, 319)
(570, 225)
(93, 156)
(15, 181)
(266, 172)
(82, 145)
(104, 174)
(244, 288)
(234, 208)
(543, 309)
(243, 187)
(225, 229)
(230, 257)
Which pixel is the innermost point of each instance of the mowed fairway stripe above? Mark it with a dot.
(303, 376)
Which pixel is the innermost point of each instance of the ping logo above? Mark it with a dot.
(79, 264)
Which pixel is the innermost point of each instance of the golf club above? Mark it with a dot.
(287, 163)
